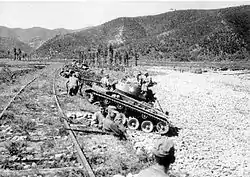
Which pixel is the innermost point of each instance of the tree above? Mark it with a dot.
(136, 58)
(15, 53)
(19, 54)
(126, 58)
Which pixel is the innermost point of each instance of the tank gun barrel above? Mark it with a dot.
(89, 80)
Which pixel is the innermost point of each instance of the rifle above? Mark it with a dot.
(88, 131)
(89, 80)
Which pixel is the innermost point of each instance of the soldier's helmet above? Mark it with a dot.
(164, 148)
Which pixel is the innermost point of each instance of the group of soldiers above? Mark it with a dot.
(112, 121)
(144, 81)
(73, 84)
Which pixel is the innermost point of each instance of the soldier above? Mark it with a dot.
(146, 83)
(68, 74)
(72, 85)
(120, 118)
(139, 78)
(80, 84)
(106, 83)
(111, 126)
(146, 80)
(98, 118)
(164, 156)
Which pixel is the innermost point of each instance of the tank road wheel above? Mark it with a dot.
(120, 107)
(144, 116)
(90, 97)
(162, 127)
(133, 124)
(106, 101)
(147, 126)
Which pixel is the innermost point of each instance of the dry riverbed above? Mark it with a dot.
(213, 111)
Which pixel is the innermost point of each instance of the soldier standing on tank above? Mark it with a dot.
(146, 83)
(139, 78)
(105, 81)
(107, 84)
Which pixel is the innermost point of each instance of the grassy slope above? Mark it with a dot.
(7, 44)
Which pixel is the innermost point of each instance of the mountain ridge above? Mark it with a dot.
(180, 35)
(177, 35)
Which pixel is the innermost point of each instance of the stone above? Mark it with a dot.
(26, 167)
(58, 156)
(139, 152)
(34, 165)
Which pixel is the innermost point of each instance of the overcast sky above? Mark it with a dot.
(80, 14)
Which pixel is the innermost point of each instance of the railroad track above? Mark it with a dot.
(18, 93)
(29, 96)
(97, 154)
(82, 157)
(37, 101)
(100, 154)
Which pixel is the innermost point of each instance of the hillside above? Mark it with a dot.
(183, 35)
(8, 44)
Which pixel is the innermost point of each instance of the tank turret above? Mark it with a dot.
(130, 89)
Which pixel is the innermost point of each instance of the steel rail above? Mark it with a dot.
(14, 97)
(82, 157)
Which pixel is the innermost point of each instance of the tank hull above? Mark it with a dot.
(132, 108)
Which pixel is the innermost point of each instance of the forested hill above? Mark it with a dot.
(182, 35)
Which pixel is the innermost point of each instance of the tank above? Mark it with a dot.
(130, 89)
(127, 98)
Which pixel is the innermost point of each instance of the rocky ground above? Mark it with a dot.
(212, 110)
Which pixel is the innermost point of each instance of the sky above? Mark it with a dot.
(80, 14)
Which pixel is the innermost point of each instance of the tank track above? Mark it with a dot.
(143, 111)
